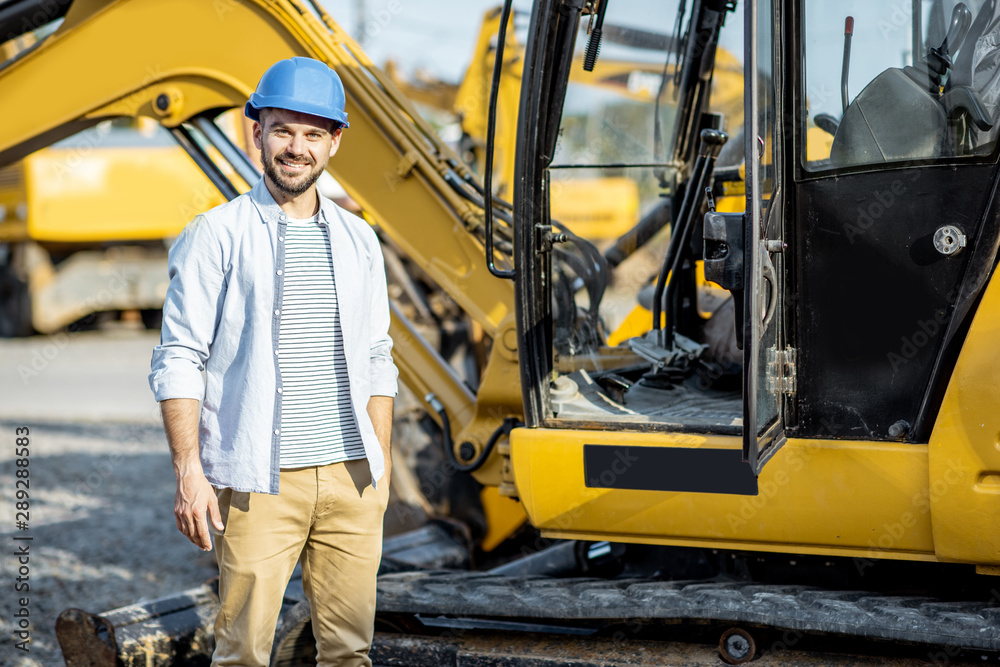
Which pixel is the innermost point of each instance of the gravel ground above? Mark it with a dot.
(101, 485)
(102, 526)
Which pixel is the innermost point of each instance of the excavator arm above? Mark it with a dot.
(185, 61)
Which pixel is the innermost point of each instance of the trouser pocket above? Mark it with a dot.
(225, 498)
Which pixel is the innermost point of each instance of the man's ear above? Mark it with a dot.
(258, 135)
(335, 143)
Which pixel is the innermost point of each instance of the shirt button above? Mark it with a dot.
(279, 390)
(275, 353)
(277, 312)
(277, 431)
(279, 272)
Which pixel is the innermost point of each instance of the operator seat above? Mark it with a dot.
(892, 119)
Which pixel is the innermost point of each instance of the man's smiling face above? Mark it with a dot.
(294, 148)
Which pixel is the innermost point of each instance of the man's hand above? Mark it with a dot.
(195, 500)
(194, 503)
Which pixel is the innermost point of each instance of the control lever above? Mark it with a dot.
(934, 72)
(961, 20)
(938, 59)
(848, 34)
(712, 142)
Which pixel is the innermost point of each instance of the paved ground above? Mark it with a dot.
(95, 376)
(101, 485)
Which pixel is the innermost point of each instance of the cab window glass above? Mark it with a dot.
(920, 81)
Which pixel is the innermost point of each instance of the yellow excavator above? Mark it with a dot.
(85, 223)
(810, 464)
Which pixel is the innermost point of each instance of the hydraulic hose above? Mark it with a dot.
(639, 235)
(508, 424)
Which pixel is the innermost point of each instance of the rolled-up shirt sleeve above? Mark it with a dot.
(383, 369)
(191, 313)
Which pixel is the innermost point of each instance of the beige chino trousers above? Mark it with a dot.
(331, 518)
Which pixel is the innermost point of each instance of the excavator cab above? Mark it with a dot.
(850, 275)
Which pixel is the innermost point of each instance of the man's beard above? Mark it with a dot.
(299, 183)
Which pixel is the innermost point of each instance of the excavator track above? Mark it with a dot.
(498, 649)
(451, 617)
(925, 621)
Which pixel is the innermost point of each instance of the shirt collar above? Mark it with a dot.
(271, 212)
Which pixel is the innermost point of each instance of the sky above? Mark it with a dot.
(438, 35)
(433, 35)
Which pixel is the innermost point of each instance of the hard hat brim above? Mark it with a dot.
(258, 102)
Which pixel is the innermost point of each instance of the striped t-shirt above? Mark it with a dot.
(317, 420)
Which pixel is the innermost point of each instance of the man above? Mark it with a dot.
(280, 297)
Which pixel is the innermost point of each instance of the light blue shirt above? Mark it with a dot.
(222, 316)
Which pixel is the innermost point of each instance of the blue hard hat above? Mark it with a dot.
(300, 84)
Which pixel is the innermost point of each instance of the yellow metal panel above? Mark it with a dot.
(816, 496)
(113, 194)
(498, 396)
(503, 516)
(596, 208)
(13, 207)
(636, 323)
(734, 198)
(12, 230)
(819, 143)
(964, 451)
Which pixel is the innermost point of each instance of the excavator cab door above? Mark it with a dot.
(768, 365)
